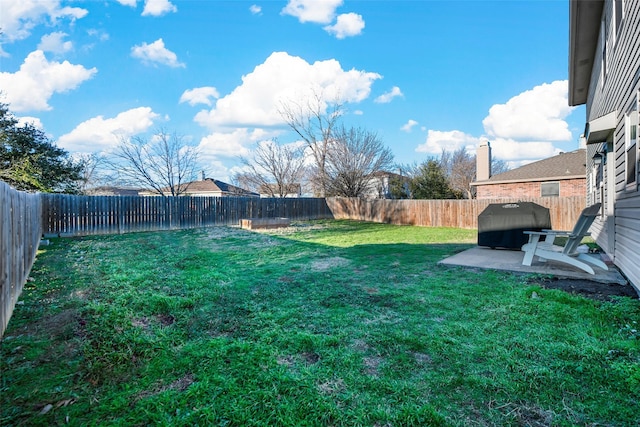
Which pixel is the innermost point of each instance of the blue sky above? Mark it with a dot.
(424, 75)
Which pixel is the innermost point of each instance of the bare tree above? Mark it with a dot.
(274, 168)
(460, 168)
(94, 172)
(499, 166)
(354, 159)
(314, 121)
(244, 180)
(164, 163)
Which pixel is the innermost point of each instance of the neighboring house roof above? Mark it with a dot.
(112, 191)
(211, 186)
(563, 166)
(584, 24)
(273, 188)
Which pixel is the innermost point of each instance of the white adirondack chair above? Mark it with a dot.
(546, 249)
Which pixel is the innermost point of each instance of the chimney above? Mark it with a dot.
(483, 162)
(202, 176)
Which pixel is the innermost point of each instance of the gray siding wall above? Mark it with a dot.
(617, 91)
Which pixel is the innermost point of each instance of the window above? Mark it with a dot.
(550, 189)
(631, 147)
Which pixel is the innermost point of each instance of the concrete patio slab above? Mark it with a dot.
(511, 260)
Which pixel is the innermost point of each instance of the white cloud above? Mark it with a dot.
(358, 112)
(55, 43)
(38, 79)
(130, 3)
(536, 114)
(520, 131)
(317, 11)
(218, 170)
(255, 9)
(230, 144)
(199, 95)
(283, 78)
(99, 34)
(156, 53)
(347, 25)
(19, 17)
(447, 140)
(388, 97)
(158, 7)
(99, 134)
(33, 121)
(409, 125)
(518, 152)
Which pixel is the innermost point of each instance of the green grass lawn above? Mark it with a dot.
(329, 323)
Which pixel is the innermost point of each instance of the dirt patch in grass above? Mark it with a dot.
(143, 323)
(180, 385)
(372, 365)
(530, 416)
(589, 289)
(328, 263)
(333, 386)
(62, 325)
(165, 319)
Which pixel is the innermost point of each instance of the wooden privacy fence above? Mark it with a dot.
(66, 215)
(20, 231)
(447, 213)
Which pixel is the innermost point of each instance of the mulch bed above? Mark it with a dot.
(589, 289)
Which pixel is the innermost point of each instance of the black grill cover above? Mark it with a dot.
(502, 225)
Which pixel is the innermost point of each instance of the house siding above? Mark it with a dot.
(617, 231)
(568, 188)
(597, 192)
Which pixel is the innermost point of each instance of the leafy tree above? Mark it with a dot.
(354, 158)
(164, 163)
(400, 183)
(274, 168)
(399, 187)
(29, 161)
(430, 182)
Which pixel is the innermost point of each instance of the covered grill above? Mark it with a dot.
(502, 225)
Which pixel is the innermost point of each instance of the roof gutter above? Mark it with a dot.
(584, 31)
(514, 181)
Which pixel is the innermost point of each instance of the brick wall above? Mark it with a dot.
(568, 188)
